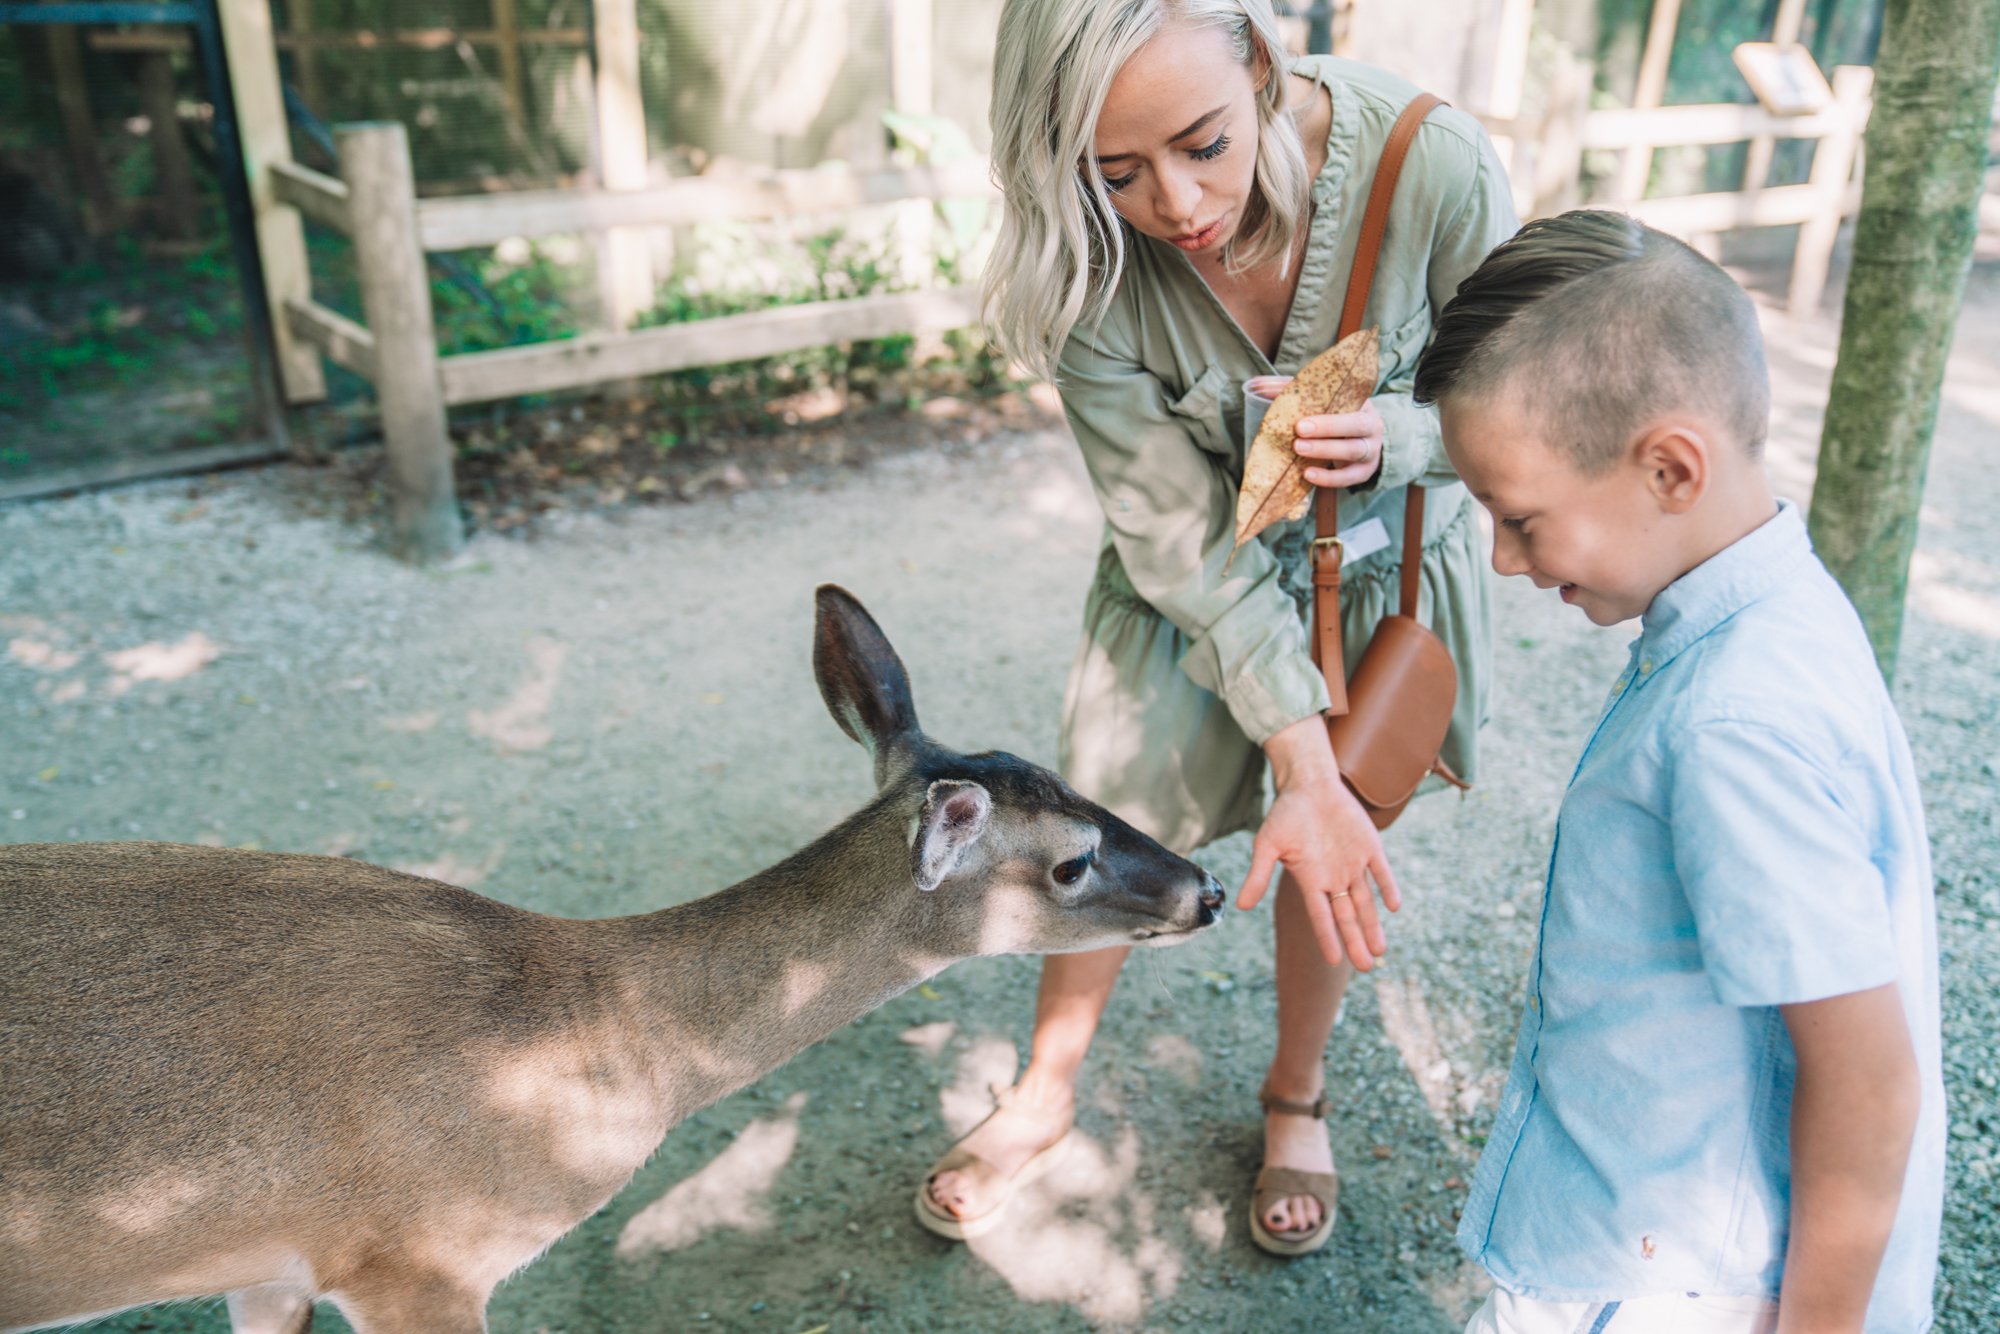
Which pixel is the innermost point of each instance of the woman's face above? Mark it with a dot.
(1177, 139)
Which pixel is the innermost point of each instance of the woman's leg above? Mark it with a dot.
(1309, 992)
(1074, 991)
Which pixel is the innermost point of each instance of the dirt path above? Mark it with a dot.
(619, 715)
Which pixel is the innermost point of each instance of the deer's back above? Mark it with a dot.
(186, 1028)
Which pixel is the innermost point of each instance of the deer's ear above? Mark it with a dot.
(954, 816)
(860, 677)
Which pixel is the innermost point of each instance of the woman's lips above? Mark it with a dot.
(1199, 240)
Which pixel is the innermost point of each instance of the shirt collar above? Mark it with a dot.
(1724, 584)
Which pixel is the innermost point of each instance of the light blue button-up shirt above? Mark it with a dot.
(1742, 832)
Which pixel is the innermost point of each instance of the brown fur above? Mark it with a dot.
(291, 1078)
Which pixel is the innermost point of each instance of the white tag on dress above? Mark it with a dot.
(1363, 539)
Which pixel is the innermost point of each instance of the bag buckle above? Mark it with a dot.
(1330, 542)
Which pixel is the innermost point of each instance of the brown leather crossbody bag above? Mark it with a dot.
(1388, 722)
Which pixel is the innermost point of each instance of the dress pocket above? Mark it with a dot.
(1205, 409)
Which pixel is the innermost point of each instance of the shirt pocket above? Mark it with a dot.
(1204, 411)
(1401, 348)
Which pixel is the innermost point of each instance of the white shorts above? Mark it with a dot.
(1660, 1313)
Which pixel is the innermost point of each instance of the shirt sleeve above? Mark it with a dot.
(1789, 905)
(1171, 507)
(1481, 218)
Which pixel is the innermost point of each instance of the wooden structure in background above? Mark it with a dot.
(624, 261)
(267, 144)
(396, 348)
(1817, 206)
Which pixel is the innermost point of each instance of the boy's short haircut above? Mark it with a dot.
(1611, 324)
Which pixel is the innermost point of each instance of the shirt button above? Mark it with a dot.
(1534, 1002)
(1646, 666)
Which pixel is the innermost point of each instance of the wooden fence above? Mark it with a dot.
(374, 202)
(1832, 191)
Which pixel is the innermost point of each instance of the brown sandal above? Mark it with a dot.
(989, 1188)
(1277, 1183)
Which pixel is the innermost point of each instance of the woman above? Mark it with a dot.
(1182, 204)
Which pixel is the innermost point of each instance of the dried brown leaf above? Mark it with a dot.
(1274, 489)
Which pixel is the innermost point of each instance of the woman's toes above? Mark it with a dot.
(945, 1194)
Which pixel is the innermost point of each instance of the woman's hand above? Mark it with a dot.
(1351, 441)
(1328, 843)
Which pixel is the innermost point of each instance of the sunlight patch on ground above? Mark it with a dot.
(451, 869)
(729, 1193)
(1086, 1236)
(929, 1038)
(157, 661)
(520, 723)
(1938, 585)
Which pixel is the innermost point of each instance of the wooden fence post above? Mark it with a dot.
(250, 48)
(1637, 168)
(1832, 169)
(396, 299)
(624, 261)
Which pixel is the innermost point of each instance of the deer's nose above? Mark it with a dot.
(1211, 898)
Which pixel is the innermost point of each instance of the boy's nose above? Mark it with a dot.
(1508, 557)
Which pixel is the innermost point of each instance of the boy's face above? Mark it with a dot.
(1593, 536)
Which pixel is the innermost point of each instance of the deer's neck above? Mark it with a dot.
(721, 990)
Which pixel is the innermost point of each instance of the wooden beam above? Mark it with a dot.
(79, 122)
(476, 377)
(477, 220)
(320, 197)
(180, 206)
(1692, 215)
(341, 340)
(624, 261)
(396, 298)
(1711, 123)
(1832, 183)
(1638, 164)
(266, 138)
(422, 39)
(507, 39)
(299, 15)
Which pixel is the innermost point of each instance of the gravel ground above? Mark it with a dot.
(612, 711)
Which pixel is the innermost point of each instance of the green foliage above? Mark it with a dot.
(826, 266)
(526, 305)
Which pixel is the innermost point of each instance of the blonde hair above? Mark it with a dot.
(1061, 245)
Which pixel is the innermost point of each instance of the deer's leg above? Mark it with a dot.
(404, 1302)
(270, 1308)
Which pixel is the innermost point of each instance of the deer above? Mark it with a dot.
(289, 1078)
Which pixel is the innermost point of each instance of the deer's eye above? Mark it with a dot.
(1071, 871)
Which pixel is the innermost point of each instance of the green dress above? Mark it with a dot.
(1184, 671)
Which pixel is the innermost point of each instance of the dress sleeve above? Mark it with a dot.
(1171, 508)
(1468, 227)
(1788, 903)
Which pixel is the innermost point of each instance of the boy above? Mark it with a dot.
(1726, 1111)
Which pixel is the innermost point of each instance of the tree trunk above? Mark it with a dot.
(1926, 147)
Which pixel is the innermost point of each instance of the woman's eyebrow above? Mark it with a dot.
(1173, 138)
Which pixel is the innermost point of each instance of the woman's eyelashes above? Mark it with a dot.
(1208, 154)
(1213, 151)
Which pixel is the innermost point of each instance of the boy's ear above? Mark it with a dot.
(1677, 459)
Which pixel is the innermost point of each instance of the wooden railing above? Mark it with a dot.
(1817, 206)
(374, 202)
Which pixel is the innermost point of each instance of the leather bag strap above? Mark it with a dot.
(1326, 646)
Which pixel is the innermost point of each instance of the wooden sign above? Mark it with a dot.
(1785, 78)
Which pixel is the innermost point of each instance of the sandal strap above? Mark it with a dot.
(1277, 1183)
(1318, 1109)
